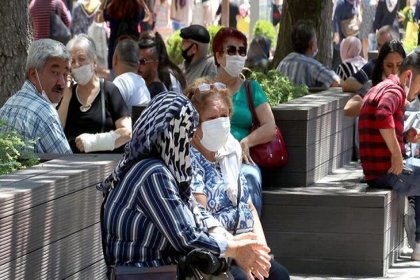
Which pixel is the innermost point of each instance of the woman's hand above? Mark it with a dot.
(246, 157)
(250, 254)
(79, 143)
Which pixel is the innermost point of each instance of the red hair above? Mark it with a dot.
(125, 9)
(222, 35)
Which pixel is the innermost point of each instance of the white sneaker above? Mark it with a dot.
(415, 256)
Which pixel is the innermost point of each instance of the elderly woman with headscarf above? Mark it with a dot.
(350, 53)
(149, 215)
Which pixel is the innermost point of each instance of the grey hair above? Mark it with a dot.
(85, 42)
(127, 51)
(43, 49)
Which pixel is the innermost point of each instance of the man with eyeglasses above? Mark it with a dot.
(300, 66)
(197, 62)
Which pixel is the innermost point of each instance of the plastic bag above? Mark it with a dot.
(98, 32)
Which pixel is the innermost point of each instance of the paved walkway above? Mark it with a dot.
(404, 269)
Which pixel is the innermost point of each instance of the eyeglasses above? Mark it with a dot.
(233, 50)
(206, 87)
(144, 61)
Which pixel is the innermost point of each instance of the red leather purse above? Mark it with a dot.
(271, 154)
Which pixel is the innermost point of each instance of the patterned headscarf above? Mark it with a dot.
(164, 130)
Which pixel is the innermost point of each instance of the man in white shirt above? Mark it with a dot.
(125, 64)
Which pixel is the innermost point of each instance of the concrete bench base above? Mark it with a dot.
(49, 219)
(334, 226)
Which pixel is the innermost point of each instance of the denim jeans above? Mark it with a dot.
(403, 184)
(253, 178)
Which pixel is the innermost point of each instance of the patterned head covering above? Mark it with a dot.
(164, 130)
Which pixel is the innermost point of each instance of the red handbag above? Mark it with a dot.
(271, 154)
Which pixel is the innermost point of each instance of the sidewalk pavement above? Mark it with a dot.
(403, 269)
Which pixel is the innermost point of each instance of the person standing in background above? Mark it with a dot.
(161, 11)
(386, 14)
(181, 13)
(83, 16)
(366, 27)
(39, 13)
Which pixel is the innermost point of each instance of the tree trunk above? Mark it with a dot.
(16, 37)
(320, 12)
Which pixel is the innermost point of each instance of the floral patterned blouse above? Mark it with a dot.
(208, 179)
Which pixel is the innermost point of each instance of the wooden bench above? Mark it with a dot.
(336, 226)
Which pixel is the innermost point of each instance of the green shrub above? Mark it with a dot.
(278, 88)
(266, 28)
(15, 153)
(174, 45)
(213, 29)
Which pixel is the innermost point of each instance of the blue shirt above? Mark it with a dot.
(35, 118)
(148, 222)
(305, 70)
(208, 179)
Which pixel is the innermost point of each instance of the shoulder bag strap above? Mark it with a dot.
(251, 104)
(101, 81)
(237, 205)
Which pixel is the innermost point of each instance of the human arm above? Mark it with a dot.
(262, 134)
(353, 105)
(160, 200)
(351, 85)
(106, 141)
(114, 138)
(391, 141)
(258, 229)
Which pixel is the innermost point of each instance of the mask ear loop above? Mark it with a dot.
(39, 81)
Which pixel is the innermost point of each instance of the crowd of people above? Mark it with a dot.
(187, 179)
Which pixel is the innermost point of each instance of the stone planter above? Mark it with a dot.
(49, 219)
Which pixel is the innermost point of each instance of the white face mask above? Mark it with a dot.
(83, 74)
(234, 65)
(215, 133)
(43, 94)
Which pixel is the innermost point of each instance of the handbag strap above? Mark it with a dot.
(251, 104)
(101, 81)
(237, 205)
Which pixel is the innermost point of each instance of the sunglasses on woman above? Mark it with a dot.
(206, 87)
(233, 50)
